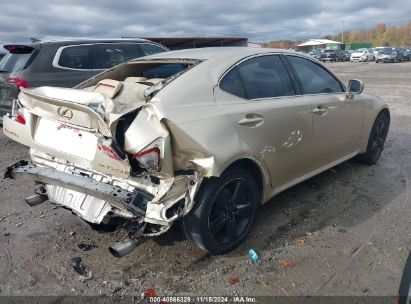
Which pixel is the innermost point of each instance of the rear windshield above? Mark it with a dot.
(165, 70)
(16, 59)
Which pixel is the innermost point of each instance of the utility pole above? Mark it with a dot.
(342, 34)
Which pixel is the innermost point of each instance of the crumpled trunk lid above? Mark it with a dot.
(83, 124)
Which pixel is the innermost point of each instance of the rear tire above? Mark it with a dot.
(376, 140)
(224, 211)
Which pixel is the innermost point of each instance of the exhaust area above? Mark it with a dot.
(38, 198)
(120, 250)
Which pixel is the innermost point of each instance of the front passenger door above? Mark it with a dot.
(337, 120)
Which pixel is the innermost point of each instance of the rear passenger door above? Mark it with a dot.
(337, 120)
(271, 118)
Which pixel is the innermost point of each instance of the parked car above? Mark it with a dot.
(388, 55)
(343, 55)
(204, 136)
(329, 55)
(64, 63)
(362, 55)
(315, 54)
(404, 54)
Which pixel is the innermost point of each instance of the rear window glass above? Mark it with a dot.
(232, 84)
(265, 77)
(109, 55)
(165, 70)
(150, 49)
(15, 61)
(77, 57)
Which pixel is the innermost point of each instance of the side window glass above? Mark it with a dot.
(231, 83)
(150, 49)
(265, 77)
(314, 79)
(111, 54)
(77, 57)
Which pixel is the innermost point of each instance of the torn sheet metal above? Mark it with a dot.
(135, 202)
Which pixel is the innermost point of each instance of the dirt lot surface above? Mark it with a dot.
(344, 232)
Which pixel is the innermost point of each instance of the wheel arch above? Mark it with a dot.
(386, 112)
(251, 166)
(369, 119)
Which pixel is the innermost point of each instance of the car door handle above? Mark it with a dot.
(320, 110)
(252, 120)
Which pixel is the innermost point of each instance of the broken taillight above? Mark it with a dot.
(20, 118)
(109, 152)
(17, 112)
(149, 159)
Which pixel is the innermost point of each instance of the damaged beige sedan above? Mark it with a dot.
(201, 137)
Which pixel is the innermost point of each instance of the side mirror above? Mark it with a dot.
(354, 87)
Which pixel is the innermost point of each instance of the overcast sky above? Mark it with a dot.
(259, 20)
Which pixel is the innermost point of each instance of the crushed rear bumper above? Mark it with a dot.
(133, 202)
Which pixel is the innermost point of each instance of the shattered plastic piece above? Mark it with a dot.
(77, 264)
(288, 263)
(84, 278)
(233, 280)
(30, 283)
(117, 289)
(86, 247)
(254, 256)
(150, 293)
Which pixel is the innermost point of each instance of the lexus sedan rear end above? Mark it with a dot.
(202, 136)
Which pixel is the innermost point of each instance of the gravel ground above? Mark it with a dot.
(344, 232)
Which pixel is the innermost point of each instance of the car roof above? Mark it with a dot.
(207, 53)
(80, 41)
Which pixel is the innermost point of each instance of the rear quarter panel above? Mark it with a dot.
(202, 136)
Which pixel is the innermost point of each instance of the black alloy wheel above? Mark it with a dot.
(224, 211)
(231, 212)
(377, 139)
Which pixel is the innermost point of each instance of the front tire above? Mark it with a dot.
(224, 211)
(376, 140)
